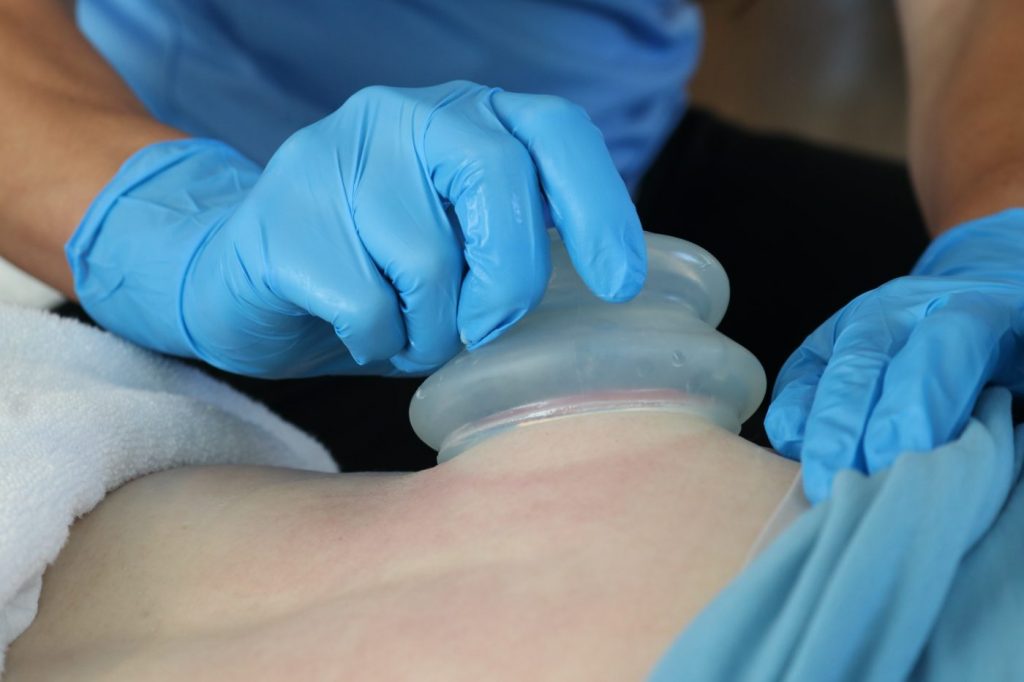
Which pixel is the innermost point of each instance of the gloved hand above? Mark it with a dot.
(383, 236)
(900, 368)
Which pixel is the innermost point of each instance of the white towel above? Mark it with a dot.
(83, 412)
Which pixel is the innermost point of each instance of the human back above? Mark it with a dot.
(573, 549)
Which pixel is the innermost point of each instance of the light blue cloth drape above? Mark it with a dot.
(915, 573)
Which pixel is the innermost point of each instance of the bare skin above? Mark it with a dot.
(67, 123)
(575, 549)
(966, 138)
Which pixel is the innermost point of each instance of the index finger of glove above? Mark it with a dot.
(491, 181)
(589, 203)
(846, 396)
(415, 245)
(795, 388)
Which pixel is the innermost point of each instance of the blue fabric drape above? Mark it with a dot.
(915, 573)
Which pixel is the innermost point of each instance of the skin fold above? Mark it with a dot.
(572, 549)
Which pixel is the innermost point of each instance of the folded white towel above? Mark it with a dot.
(83, 412)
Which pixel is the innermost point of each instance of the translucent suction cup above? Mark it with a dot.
(575, 353)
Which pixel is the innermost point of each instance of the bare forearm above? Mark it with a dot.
(67, 122)
(966, 60)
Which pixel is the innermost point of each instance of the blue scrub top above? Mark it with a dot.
(251, 73)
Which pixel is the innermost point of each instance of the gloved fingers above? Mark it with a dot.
(933, 383)
(843, 403)
(795, 386)
(323, 355)
(589, 203)
(428, 283)
(492, 184)
(262, 345)
(786, 419)
(414, 243)
(349, 292)
(812, 356)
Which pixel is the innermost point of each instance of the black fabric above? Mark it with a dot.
(800, 229)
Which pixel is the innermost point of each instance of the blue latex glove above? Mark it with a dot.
(408, 222)
(900, 368)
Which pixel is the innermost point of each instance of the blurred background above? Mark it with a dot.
(824, 70)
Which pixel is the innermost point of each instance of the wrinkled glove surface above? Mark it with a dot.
(380, 239)
(900, 368)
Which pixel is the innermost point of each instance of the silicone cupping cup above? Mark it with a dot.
(575, 353)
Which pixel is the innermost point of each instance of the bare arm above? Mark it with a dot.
(67, 122)
(966, 63)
